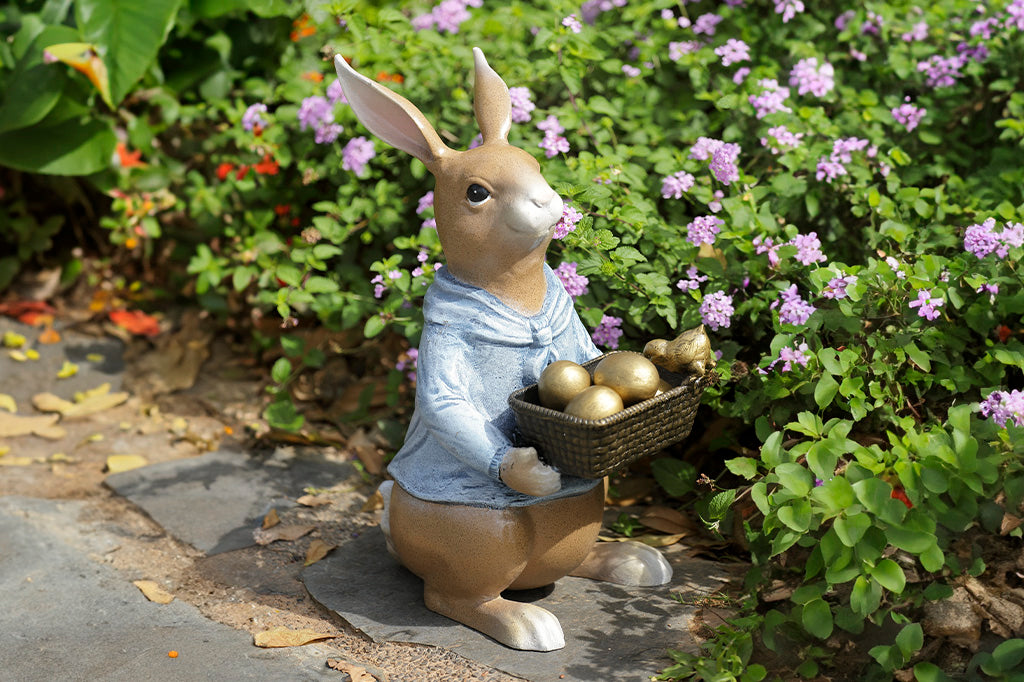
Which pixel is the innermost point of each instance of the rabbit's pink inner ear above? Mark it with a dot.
(390, 116)
(491, 101)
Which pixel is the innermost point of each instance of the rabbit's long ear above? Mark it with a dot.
(390, 116)
(491, 102)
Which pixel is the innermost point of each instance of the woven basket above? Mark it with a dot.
(594, 448)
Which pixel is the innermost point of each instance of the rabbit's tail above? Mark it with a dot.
(385, 520)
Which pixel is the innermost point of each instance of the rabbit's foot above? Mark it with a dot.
(625, 563)
(385, 519)
(520, 626)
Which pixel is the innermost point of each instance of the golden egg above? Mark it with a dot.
(560, 382)
(596, 402)
(633, 376)
(663, 387)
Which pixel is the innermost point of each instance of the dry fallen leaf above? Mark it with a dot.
(154, 592)
(667, 520)
(1010, 523)
(12, 425)
(281, 636)
(314, 500)
(118, 463)
(271, 519)
(282, 532)
(49, 336)
(86, 402)
(373, 502)
(15, 461)
(355, 673)
(318, 549)
(367, 451)
(7, 403)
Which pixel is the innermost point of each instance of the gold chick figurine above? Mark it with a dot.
(689, 352)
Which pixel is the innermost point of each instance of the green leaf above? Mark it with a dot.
(825, 391)
(850, 529)
(283, 415)
(675, 476)
(719, 504)
(889, 575)
(817, 618)
(320, 285)
(281, 370)
(374, 326)
(771, 451)
(70, 147)
(795, 478)
(910, 639)
(929, 672)
(796, 515)
(742, 466)
(919, 357)
(865, 596)
(127, 34)
(1009, 654)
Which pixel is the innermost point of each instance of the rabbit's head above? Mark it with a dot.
(495, 212)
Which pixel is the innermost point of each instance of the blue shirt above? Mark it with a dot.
(475, 351)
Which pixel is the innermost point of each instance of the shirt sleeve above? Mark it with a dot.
(444, 385)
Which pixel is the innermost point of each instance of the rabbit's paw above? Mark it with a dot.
(517, 625)
(625, 563)
(522, 471)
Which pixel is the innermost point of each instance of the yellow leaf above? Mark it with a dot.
(13, 340)
(102, 389)
(660, 540)
(12, 425)
(318, 549)
(32, 354)
(15, 461)
(95, 358)
(283, 532)
(7, 403)
(118, 463)
(48, 402)
(281, 636)
(88, 402)
(154, 592)
(271, 519)
(314, 500)
(4, 449)
(82, 57)
(18, 356)
(68, 369)
(355, 672)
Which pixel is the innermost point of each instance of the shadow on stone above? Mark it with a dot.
(611, 632)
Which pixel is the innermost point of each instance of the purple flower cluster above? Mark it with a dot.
(917, 32)
(908, 114)
(983, 239)
(793, 310)
(1003, 407)
(716, 310)
(842, 153)
(722, 155)
(335, 94)
(872, 25)
(608, 332)
(1015, 15)
(251, 118)
(554, 144)
(703, 229)
(808, 77)
(572, 23)
(692, 281)
(521, 104)
(788, 9)
(836, 287)
(378, 282)
(591, 9)
(574, 283)
(771, 99)
(317, 113)
(788, 356)
(706, 24)
(673, 186)
(733, 51)
(928, 307)
(413, 354)
(426, 203)
(785, 139)
(941, 72)
(676, 50)
(808, 248)
(567, 223)
(447, 15)
(356, 154)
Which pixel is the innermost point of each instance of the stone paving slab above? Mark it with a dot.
(67, 617)
(99, 360)
(611, 632)
(216, 500)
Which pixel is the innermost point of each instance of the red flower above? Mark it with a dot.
(267, 166)
(224, 169)
(243, 170)
(282, 209)
(899, 494)
(1004, 333)
(135, 321)
(313, 76)
(129, 159)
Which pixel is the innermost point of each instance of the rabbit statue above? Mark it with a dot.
(468, 512)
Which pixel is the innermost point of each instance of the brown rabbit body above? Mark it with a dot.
(471, 514)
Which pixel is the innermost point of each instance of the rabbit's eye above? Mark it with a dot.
(477, 194)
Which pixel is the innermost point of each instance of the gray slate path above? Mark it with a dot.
(216, 500)
(67, 617)
(611, 632)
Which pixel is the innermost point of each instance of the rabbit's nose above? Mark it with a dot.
(545, 200)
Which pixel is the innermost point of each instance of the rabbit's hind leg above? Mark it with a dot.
(466, 557)
(625, 563)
